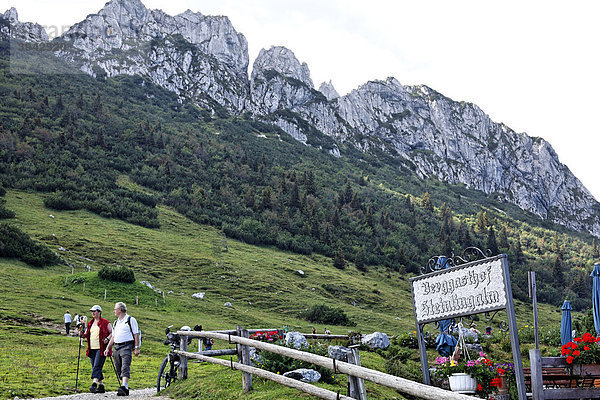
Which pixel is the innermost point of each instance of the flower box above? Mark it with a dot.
(462, 383)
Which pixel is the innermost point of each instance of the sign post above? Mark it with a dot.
(476, 287)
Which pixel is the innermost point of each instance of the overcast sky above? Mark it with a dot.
(534, 65)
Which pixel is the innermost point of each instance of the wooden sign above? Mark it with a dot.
(459, 291)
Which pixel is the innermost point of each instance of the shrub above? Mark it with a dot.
(15, 243)
(5, 213)
(326, 315)
(410, 340)
(61, 201)
(117, 274)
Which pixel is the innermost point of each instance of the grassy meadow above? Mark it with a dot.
(181, 258)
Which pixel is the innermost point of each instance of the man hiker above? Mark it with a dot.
(68, 320)
(126, 340)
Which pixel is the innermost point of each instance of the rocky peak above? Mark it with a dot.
(26, 31)
(121, 9)
(328, 90)
(215, 35)
(11, 15)
(283, 61)
(123, 24)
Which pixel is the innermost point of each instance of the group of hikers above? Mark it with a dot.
(120, 341)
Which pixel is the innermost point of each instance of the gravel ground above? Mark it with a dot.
(133, 394)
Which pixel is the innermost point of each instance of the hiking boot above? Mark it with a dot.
(100, 389)
(123, 391)
(94, 388)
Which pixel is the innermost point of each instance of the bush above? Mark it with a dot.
(117, 274)
(61, 201)
(5, 213)
(409, 340)
(15, 243)
(325, 315)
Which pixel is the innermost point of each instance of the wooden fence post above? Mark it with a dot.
(183, 360)
(356, 386)
(164, 300)
(244, 358)
(104, 294)
(136, 300)
(83, 287)
(537, 383)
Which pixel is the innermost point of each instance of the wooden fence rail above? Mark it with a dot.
(402, 385)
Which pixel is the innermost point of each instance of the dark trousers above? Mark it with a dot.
(97, 359)
(67, 327)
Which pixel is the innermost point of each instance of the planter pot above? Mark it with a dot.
(588, 369)
(462, 383)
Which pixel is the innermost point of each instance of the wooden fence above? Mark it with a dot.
(240, 338)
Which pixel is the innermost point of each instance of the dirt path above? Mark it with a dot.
(144, 394)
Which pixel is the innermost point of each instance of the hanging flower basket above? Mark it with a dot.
(462, 383)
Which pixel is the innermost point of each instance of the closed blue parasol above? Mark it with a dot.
(596, 296)
(566, 327)
(445, 342)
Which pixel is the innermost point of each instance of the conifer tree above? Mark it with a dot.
(426, 202)
(339, 261)
(361, 259)
(294, 195)
(491, 243)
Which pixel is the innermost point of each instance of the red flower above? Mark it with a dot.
(576, 353)
(586, 348)
(577, 339)
(496, 382)
(570, 360)
(501, 371)
(479, 387)
(566, 351)
(573, 345)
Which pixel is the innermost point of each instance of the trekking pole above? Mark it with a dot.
(78, 357)
(115, 369)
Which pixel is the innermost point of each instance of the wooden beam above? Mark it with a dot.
(403, 385)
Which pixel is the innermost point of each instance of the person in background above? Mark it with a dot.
(314, 330)
(327, 332)
(68, 320)
(126, 340)
(97, 333)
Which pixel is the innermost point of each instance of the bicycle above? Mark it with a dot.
(166, 376)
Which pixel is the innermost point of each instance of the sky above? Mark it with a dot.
(533, 65)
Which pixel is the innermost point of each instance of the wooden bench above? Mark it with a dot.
(553, 378)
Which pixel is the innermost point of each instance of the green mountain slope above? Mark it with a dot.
(92, 144)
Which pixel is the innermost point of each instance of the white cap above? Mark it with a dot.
(96, 308)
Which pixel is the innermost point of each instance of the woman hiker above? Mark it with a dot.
(98, 333)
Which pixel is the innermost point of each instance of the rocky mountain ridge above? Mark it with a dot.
(203, 59)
